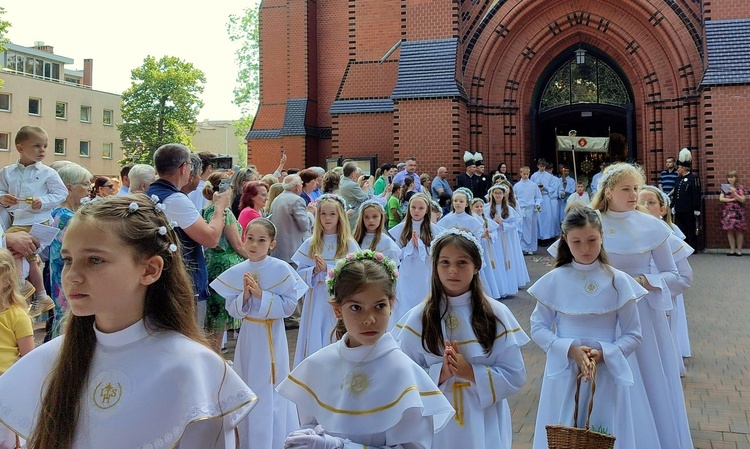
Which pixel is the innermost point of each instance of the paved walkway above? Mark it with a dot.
(717, 384)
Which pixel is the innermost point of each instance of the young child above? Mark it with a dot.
(555, 189)
(469, 345)
(262, 291)
(414, 236)
(656, 203)
(502, 212)
(581, 196)
(344, 395)
(331, 240)
(632, 240)
(371, 233)
(393, 206)
(543, 181)
(132, 369)
(586, 315)
(30, 190)
(529, 204)
(494, 253)
(436, 211)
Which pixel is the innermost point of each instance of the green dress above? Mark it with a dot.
(218, 260)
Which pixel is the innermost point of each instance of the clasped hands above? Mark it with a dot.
(313, 439)
(455, 364)
(587, 358)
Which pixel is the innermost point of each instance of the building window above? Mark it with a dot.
(4, 141)
(5, 102)
(107, 151)
(86, 114)
(107, 120)
(61, 110)
(35, 106)
(60, 147)
(84, 148)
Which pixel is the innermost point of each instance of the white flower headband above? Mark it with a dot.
(466, 192)
(331, 196)
(605, 176)
(502, 187)
(371, 202)
(456, 231)
(658, 191)
(390, 266)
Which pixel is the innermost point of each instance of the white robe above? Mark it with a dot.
(547, 216)
(146, 389)
(386, 245)
(632, 239)
(679, 321)
(496, 260)
(554, 188)
(482, 417)
(510, 242)
(261, 357)
(568, 191)
(317, 319)
(528, 198)
(350, 394)
(415, 272)
(584, 305)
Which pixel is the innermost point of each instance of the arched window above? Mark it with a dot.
(594, 81)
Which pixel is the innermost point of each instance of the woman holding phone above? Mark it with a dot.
(733, 218)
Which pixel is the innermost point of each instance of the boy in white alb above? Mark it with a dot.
(581, 196)
(529, 200)
(30, 190)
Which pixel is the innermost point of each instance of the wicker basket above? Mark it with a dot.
(564, 437)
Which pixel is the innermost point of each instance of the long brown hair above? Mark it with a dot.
(360, 232)
(504, 206)
(353, 277)
(425, 233)
(577, 216)
(510, 196)
(483, 319)
(168, 305)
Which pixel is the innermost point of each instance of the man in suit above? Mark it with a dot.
(686, 198)
(469, 179)
(351, 192)
(292, 219)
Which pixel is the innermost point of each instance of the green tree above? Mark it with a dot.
(161, 106)
(244, 29)
(4, 25)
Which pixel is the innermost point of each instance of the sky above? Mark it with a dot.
(118, 35)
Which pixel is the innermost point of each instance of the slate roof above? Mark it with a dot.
(263, 134)
(728, 50)
(427, 69)
(361, 106)
(294, 117)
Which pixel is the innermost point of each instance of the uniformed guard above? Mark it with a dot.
(468, 179)
(686, 198)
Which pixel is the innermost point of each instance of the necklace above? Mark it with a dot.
(358, 382)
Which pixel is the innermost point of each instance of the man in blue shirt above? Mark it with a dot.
(668, 177)
(440, 183)
(410, 170)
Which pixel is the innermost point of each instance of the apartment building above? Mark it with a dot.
(39, 90)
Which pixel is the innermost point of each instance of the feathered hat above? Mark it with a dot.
(478, 158)
(685, 158)
(469, 159)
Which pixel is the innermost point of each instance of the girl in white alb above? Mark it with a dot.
(469, 345)
(371, 231)
(633, 239)
(495, 258)
(413, 236)
(362, 391)
(501, 209)
(133, 369)
(331, 241)
(586, 315)
(262, 291)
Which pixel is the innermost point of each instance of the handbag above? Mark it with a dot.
(564, 437)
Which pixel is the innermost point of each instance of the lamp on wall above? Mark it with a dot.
(580, 56)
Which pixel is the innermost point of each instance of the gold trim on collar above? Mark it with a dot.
(230, 286)
(361, 412)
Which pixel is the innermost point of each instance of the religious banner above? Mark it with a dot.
(581, 143)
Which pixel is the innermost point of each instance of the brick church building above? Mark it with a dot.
(433, 78)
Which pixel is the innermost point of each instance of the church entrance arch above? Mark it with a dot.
(590, 95)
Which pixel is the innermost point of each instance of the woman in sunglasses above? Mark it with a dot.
(103, 186)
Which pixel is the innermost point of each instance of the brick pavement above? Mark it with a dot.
(717, 384)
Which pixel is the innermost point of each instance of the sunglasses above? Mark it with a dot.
(109, 186)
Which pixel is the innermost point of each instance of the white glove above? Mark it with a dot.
(697, 213)
(313, 439)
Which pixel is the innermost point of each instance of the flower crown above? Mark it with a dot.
(502, 187)
(333, 274)
(658, 191)
(332, 196)
(371, 202)
(456, 231)
(466, 192)
(435, 205)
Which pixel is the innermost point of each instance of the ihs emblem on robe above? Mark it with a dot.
(358, 383)
(591, 288)
(107, 395)
(452, 322)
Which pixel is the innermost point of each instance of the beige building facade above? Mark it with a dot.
(218, 137)
(38, 90)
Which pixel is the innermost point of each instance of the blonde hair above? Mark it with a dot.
(611, 176)
(661, 197)
(9, 278)
(361, 231)
(273, 192)
(343, 231)
(425, 231)
(731, 173)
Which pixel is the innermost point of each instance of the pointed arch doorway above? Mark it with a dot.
(592, 96)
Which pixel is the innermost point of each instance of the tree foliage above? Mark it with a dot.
(4, 25)
(161, 106)
(245, 29)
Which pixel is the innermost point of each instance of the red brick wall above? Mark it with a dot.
(726, 9)
(431, 19)
(374, 136)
